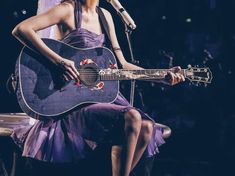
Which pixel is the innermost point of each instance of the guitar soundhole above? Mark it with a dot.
(89, 75)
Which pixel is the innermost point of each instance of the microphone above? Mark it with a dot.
(123, 13)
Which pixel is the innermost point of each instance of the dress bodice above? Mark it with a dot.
(81, 37)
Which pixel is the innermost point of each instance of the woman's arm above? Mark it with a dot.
(173, 77)
(25, 32)
(115, 44)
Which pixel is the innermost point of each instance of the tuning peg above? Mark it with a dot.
(189, 66)
(205, 84)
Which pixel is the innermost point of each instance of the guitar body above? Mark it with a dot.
(42, 92)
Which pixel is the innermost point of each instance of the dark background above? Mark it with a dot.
(202, 119)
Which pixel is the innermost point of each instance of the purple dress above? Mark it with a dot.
(79, 132)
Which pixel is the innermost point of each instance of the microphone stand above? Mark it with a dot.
(128, 32)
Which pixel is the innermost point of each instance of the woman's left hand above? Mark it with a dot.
(174, 76)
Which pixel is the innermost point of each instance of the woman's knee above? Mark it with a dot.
(146, 130)
(133, 120)
(133, 116)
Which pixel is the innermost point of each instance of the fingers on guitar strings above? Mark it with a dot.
(75, 71)
(69, 70)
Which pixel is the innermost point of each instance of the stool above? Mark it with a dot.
(166, 130)
(11, 161)
(4, 132)
(5, 139)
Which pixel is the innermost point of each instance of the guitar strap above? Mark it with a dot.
(104, 26)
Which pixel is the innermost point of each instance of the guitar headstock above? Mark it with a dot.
(198, 75)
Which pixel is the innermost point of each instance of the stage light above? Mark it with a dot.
(15, 14)
(163, 17)
(23, 11)
(188, 20)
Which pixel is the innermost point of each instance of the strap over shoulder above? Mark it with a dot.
(77, 14)
(104, 24)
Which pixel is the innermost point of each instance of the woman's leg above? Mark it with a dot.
(132, 129)
(143, 140)
(125, 158)
(116, 157)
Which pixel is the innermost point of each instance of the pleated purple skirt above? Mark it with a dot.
(76, 135)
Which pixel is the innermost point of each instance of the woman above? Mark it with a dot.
(129, 131)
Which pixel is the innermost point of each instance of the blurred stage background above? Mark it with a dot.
(202, 119)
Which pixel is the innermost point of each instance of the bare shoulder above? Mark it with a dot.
(65, 6)
(68, 4)
(61, 11)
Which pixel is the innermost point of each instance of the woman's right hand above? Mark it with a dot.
(69, 68)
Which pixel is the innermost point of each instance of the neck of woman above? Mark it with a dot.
(90, 6)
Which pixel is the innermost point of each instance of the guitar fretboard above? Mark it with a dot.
(144, 74)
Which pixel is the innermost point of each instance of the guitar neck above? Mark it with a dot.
(144, 74)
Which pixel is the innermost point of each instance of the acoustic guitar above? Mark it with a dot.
(42, 93)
